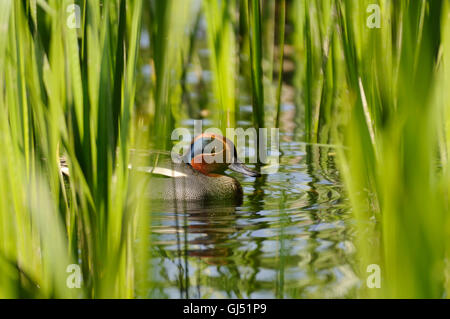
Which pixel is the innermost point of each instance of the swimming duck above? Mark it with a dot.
(199, 175)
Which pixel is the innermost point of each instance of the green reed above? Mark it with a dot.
(401, 169)
(380, 94)
(281, 39)
(256, 56)
(392, 74)
(220, 18)
(167, 23)
(67, 92)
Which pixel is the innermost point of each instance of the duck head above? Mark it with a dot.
(212, 154)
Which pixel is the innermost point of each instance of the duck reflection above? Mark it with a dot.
(200, 229)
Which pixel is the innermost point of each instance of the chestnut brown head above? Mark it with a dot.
(213, 154)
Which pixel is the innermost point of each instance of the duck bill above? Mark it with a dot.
(241, 168)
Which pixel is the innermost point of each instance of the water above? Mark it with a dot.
(291, 237)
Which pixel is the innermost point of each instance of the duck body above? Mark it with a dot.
(189, 189)
(174, 181)
(196, 177)
(199, 174)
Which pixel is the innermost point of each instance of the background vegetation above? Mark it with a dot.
(120, 81)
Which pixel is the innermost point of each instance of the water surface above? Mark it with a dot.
(290, 238)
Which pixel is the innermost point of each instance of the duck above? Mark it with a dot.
(199, 175)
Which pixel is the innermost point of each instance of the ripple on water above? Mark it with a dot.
(290, 238)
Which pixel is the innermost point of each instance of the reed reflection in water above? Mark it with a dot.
(291, 237)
